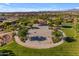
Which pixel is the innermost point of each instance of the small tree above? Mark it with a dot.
(22, 34)
(57, 33)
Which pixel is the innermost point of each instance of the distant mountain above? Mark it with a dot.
(73, 10)
(69, 11)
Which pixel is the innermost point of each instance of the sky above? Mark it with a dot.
(27, 7)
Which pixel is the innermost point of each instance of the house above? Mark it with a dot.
(6, 38)
(42, 22)
(1, 28)
(13, 23)
(2, 19)
(1, 41)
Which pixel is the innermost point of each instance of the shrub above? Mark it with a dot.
(6, 53)
(67, 25)
(55, 40)
(57, 36)
(69, 39)
(22, 33)
(57, 33)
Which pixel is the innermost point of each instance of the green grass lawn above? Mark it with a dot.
(69, 31)
(65, 49)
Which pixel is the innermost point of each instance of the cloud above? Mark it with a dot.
(2, 6)
(26, 9)
(7, 8)
(76, 7)
(7, 3)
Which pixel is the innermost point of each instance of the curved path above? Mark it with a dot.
(39, 46)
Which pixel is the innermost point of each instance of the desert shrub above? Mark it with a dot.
(57, 36)
(67, 25)
(22, 33)
(57, 33)
(55, 40)
(69, 39)
(6, 53)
